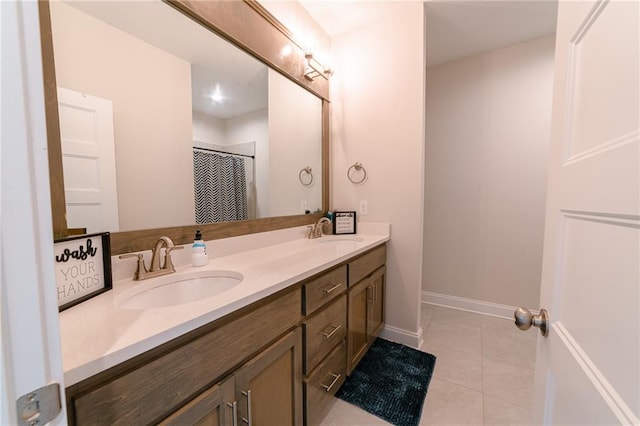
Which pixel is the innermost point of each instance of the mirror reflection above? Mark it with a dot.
(163, 123)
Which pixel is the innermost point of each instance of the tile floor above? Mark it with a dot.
(483, 374)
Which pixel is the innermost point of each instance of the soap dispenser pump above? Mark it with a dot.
(199, 251)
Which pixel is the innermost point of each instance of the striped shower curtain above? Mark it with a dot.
(220, 187)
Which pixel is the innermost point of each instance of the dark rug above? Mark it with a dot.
(390, 382)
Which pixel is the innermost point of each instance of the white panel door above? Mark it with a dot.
(88, 157)
(31, 356)
(588, 369)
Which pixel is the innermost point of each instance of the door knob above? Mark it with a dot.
(524, 319)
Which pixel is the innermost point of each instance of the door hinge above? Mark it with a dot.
(40, 406)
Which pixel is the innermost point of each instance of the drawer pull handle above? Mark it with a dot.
(248, 420)
(336, 377)
(329, 290)
(234, 408)
(332, 332)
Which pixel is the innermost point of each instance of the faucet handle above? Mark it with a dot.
(168, 263)
(141, 269)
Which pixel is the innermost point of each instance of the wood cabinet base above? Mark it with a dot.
(365, 315)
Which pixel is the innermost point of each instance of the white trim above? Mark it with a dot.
(470, 305)
(31, 353)
(405, 337)
(615, 402)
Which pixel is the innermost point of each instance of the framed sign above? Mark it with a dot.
(82, 268)
(344, 223)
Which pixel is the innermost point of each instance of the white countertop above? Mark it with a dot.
(97, 334)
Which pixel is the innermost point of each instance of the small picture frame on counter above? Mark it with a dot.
(82, 268)
(344, 222)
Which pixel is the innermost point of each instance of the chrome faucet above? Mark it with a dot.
(155, 258)
(315, 231)
(155, 270)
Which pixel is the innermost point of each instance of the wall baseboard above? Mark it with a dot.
(415, 340)
(405, 337)
(470, 305)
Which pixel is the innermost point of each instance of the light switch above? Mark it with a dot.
(364, 209)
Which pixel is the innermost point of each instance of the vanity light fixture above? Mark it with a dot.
(286, 51)
(315, 69)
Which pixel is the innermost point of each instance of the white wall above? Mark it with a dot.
(295, 132)
(378, 111)
(487, 127)
(147, 87)
(207, 128)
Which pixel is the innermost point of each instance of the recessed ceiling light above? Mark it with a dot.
(217, 96)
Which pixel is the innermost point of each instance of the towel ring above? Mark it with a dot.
(308, 171)
(358, 167)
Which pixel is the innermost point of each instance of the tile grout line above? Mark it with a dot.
(495, 359)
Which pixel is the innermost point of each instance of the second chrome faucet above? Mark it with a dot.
(315, 231)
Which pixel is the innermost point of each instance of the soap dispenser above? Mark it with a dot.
(199, 251)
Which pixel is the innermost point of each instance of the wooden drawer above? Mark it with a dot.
(364, 265)
(323, 288)
(323, 331)
(322, 385)
(158, 385)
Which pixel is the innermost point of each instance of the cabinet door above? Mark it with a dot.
(215, 406)
(269, 387)
(375, 317)
(357, 341)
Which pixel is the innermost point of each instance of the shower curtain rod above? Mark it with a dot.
(224, 152)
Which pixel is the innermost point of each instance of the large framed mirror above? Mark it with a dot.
(199, 132)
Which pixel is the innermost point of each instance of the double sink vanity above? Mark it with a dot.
(269, 329)
(265, 333)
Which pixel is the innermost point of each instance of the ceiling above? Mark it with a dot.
(455, 28)
(217, 67)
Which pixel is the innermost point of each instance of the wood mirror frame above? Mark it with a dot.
(253, 29)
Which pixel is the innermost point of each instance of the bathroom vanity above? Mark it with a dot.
(273, 349)
(273, 346)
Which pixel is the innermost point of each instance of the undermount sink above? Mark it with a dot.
(339, 243)
(177, 289)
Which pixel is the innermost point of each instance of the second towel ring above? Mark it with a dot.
(358, 167)
(309, 172)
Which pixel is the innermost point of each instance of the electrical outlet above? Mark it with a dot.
(364, 208)
(304, 206)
